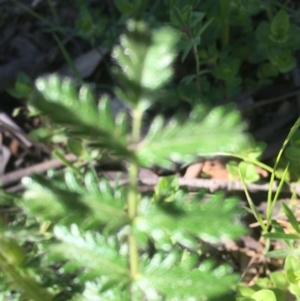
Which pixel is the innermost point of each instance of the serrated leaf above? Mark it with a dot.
(59, 100)
(179, 219)
(171, 279)
(101, 289)
(90, 251)
(145, 60)
(211, 133)
(90, 208)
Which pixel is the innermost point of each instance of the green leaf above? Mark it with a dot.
(75, 147)
(171, 278)
(145, 60)
(264, 295)
(280, 26)
(292, 269)
(244, 291)
(282, 236)
(88, 207)
(205, 133)
(197, 17)
(263, 32)
(291, 217)
(89, 251)
(11, 250)
(249, 171)
(26, 284)
(283, 59)
(279, 280)
(267, 70)
(179, 219)
(176, 16)
(103, 289)
(295, 140)
(282, 253)
(292, 153)
(58, 99)
(166, 188)
(233, 169)
(227, 69)
(252, 6)
(187, 14)
(23, 86)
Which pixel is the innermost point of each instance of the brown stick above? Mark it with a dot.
(17, 175)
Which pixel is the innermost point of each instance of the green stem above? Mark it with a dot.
(53, 10)
(134, 197)
(225, 14)
(197, 66)
(248, 160)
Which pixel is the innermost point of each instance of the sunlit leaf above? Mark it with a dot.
(180, 219)
(210, 133)
(145, 60)
(59, 100)
(89, 208)
(89, 251)
(173, 279)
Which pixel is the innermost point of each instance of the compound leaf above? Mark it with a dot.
(89, 208)
(172, 278)
(210, 133)
(145, 60)
(180, 219)
(59, 100)
(89, 251)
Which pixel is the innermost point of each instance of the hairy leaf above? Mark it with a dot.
(92, 206)
(208, 133)
(173, 278)
(90, 251)
(103, 289)
(145, 59)
(212, 220)
(59, 100)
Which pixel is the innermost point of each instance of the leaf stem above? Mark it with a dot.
(134, 197)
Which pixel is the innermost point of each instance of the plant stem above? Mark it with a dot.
(134, 197)
(197, 66)
(225, 13)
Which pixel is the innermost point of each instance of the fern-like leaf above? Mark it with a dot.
(91, 252)
(174, 279)
(145, 60)
(102, 290)
(59, 100)
(90, 207)
(212, 220)
(210, 133)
